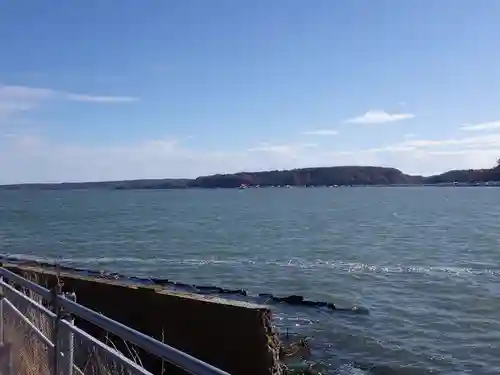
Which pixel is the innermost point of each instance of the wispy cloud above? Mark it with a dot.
(282, 148)
(23, 92)
(490, 141)
(320, 132)
(101, 99)
(16, 99)
(492, 125)
(29, 157)
(378, 116)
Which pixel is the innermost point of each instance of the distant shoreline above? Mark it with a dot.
(305, 177)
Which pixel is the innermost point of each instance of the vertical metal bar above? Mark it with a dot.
(2, 318)
(7, 348)
(9, 363)
(65, 351)
(56, 308)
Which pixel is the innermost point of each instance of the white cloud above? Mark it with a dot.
(378, 116)
(23, 93)
(493, 125)
(101, 99)
(321, 132)
(14, 99)
(17, 99)
(483, 141)
(30, 158)
(281, 148)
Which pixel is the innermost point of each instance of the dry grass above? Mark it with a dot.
(94, 361)
(30, 356)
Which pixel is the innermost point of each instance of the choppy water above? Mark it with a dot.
(425, 261)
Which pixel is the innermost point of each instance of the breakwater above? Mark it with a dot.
(235, 336)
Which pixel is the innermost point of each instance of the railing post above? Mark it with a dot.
(5, 347)
(56, 309)
(63, 336)
(65, 351)
(2, 317)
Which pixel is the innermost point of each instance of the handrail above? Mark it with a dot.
(34, 287)
(131, 365)
(26, 299)
(32, 326)
(174, 356)
(153, 346)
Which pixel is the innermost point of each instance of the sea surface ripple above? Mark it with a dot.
(425, 261)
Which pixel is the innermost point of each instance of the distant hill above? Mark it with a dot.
(325, 176)
(348, 175)
(467, 176)
(114, 185)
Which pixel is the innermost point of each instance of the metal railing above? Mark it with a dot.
(58, 341)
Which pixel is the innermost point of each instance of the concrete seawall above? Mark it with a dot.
(237, 337)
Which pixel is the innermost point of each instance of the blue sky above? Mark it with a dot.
(100, 90)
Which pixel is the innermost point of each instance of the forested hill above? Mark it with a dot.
(466, 176)
(347, 175)
(325, 176)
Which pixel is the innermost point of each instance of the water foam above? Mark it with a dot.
(350, 370)
(347, 267)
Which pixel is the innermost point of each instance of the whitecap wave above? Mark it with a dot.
(350, 370)
(342, 266)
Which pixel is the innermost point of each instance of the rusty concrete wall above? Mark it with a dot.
(234, 336)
